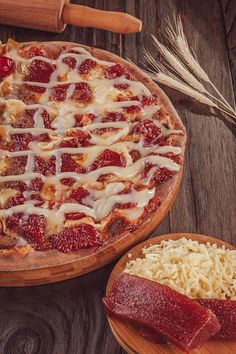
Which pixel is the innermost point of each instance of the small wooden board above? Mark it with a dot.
(129, 338)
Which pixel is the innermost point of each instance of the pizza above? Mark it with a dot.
(90, 151)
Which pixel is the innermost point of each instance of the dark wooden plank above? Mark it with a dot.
(69, 317)
(229, 14)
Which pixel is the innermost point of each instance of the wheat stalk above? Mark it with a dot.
(181, 71)
(178, 67)
(167, 80)
(179, 42)
(162, 75)
(181, 47)
(179, 86)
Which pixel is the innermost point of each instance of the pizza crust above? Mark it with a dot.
(26, 258)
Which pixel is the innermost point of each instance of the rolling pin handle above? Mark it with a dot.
(85, 16)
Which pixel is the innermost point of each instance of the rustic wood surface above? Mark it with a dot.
(68, 317)
(128, 337)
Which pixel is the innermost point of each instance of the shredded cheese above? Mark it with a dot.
(197, 270)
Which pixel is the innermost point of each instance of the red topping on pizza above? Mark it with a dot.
(107, 158)
(19, 186)
(82, 93)
(46, 120)
(33, 231)
(75, 238)
(58, 93)
(162, 175)
(70, 143)
(86, 66)
(106, 177)
(13, 201)
(135, 155)
(67, 181)
(117, 226)
(125, 205)
(14, 221)
(44, 137)
(117, 70)
(36, 52)
(19, 142)
(78, 194)
(74, 216)
(36, 184)
(68, 164)
(159, 176)
(38, 201)
(39, 71)
(18, 165)
(70, 61)
(114, 117)
(7, 66)
(45, 167)
(148, 130)
(133, 109)
(121, 86)
(81, 139)
(175, 158)
(146, 100)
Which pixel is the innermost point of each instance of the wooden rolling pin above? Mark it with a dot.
(53, 15)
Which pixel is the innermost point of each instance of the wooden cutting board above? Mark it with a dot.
(129, 338)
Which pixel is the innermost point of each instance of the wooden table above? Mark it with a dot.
(68, 318)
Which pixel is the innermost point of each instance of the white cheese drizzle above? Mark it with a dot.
(104, 93)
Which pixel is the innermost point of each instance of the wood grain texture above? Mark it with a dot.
(68, 317)
(229, 16)
(22, 13)
(128, 337)
(114, 21)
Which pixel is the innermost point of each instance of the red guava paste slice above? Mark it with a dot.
(174, 316)
(225, 311)
(150, 334)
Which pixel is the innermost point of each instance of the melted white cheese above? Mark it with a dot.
(104, 94)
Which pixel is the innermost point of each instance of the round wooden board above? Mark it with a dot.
(129, 338)
(37, 268)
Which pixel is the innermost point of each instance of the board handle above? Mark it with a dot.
(85, 16)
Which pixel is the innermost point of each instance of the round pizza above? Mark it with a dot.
(91, 153)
